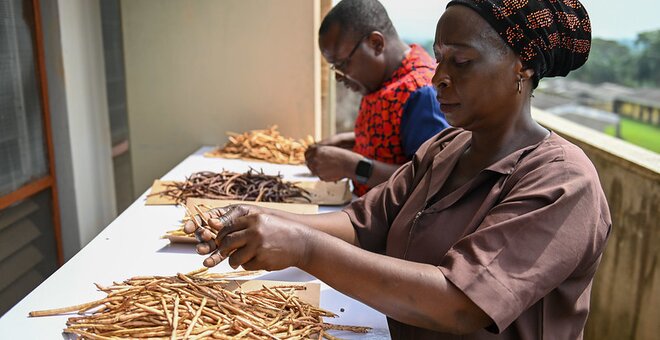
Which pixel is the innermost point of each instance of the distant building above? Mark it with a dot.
(639, 104)
(643, 106)
(588, 116)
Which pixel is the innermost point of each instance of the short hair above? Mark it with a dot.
(359, 17)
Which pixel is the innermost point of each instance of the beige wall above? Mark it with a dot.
(625, 299)
(196, 69)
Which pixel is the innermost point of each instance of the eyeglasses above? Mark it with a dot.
(340, 67)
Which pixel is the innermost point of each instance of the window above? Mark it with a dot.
(29, 229)
(22, 146)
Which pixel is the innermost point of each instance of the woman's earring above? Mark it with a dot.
(520, 85)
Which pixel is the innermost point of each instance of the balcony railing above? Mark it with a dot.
(625, 301)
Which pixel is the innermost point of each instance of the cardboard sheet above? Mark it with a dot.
(311, 295)
(298, 208)
(328, 193)
(156, 199)
(321, 193)
(289, 207)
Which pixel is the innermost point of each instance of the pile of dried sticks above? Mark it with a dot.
(194, 306)
(249, 186)
(267, 145)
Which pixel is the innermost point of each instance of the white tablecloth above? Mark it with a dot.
(131, 246)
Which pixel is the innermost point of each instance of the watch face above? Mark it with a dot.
(363, 168)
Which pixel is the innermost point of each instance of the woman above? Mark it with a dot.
(494, 229)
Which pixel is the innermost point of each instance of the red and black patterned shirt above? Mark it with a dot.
(395, 120)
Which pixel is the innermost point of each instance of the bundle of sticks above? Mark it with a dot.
(179, 235)
(194, 306)
(249, 186)
(267, 145)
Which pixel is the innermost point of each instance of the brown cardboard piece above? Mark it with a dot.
(311, 295)
(322, 193)
(289, 207)
(298, 208)
(159, 186)
(328, 193)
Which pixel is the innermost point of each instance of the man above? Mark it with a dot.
(399, 110)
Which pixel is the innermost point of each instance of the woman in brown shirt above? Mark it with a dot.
(494, 230)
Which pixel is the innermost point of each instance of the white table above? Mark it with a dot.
(131, 246)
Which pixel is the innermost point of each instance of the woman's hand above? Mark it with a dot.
(212, 221)
(251, 238)
(263, 241)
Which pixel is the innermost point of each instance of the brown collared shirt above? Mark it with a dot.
(522, 239)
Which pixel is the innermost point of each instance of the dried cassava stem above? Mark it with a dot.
(249, 186)
(195, 318)
(176, 316)
(84, 306)
(201, 307)
(266, 144)
(197, 224)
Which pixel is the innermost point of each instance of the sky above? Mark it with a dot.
(616, 20)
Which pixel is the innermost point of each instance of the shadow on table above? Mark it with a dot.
(289, 275)
(178, 248)
(305, 174)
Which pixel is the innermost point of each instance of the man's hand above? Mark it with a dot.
(331, 163)
(345, 140)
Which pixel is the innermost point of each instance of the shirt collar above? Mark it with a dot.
(415, 58)
(507, 164)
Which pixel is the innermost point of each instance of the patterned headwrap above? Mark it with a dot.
(551, 36)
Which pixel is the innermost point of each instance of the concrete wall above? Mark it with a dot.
(196, 69)
(79, 115)
(626, 293)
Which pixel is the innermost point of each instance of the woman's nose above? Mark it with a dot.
(440, 79)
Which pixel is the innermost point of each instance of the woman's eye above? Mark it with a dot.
(461, 62)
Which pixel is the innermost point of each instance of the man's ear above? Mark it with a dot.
(376, 41)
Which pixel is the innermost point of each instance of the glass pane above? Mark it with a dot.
(116, 90)
(114, 70)
(23, 155)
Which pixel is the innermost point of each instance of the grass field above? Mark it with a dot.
(644, 135)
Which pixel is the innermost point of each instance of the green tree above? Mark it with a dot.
(609, 61)
(648, 61)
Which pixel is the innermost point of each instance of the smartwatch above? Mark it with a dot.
(363, 170)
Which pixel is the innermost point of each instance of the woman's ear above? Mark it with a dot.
(524, 72)
(376, 41)
(527, 74)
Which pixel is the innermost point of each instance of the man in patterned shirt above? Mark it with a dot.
(399, 110)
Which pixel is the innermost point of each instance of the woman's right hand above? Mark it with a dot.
(250, 236)
(214, 220)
